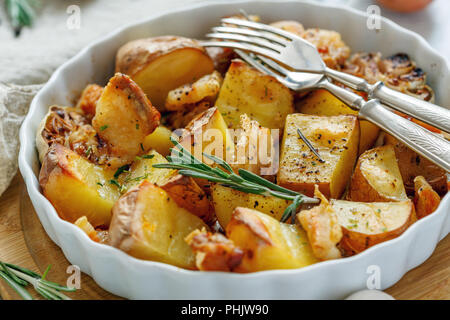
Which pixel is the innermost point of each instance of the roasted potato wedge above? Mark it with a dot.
(225, 200)
(205, 88)
(213, 251)
(148, 224)
(208, 133)
(161, 64)
(412, 165)
(159, 140)
(321, 102)
(336, 138)
(76, 187)
(183, 190)
(377, 177)
(124, 117)
(89, 97)
(426, 200)
(267, 243)
(367, 224)
(260, 96)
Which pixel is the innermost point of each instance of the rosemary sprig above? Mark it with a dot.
(245, 181)
(19, 278)
(21, 13)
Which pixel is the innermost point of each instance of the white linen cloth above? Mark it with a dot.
(27, 62)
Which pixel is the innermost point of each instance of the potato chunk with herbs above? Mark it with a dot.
(260, 96)
(335, 138)
(148, 224)
(267, 243)
(225, 200)
(377, 177)
(123, 118)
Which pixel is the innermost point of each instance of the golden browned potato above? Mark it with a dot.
(412, 165)
(213, 251)
(377, 177)
(180, 119)
(161, 64)
(256, 148)
(336, 139)
(183, 190)
(76, 187)
(367, 224)
(207, 87)
(148, 224)
(322, 228)
(124, 117)
(323, 103)
(267, 243)
(426, 200)
(208, 133)
(260, 96)
(225, 200)
(89, 98)
(159, 140)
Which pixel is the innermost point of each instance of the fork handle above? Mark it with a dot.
(424, 142)
(429, 113)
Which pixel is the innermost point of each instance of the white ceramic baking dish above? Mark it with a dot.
(128, 277)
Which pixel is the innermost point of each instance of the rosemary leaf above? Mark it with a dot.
(18, 288)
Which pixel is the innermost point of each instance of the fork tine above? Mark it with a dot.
(259, 26)
(237, 37)
(274, 65)
(259, 66)
(248, 32)
(242, 46)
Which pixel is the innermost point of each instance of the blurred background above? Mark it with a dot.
(29, 54)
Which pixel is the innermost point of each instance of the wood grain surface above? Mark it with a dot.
(24, 242)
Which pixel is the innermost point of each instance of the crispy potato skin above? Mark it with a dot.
(321, 102)
(77, 187)
(149, 225)
(377, 177)
(426, 200)
(124, 117)
(183, 60)
(188, 195)
(412, 165)
(267, 243)
(89, 98)
(262, 97)
(213, 251)
(336, 138)
(367, 224)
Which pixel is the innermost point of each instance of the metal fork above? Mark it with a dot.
(300, 55)
(431, 146)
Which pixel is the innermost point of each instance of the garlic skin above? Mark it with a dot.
(369, 295)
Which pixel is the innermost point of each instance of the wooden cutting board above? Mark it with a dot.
(24, 242)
